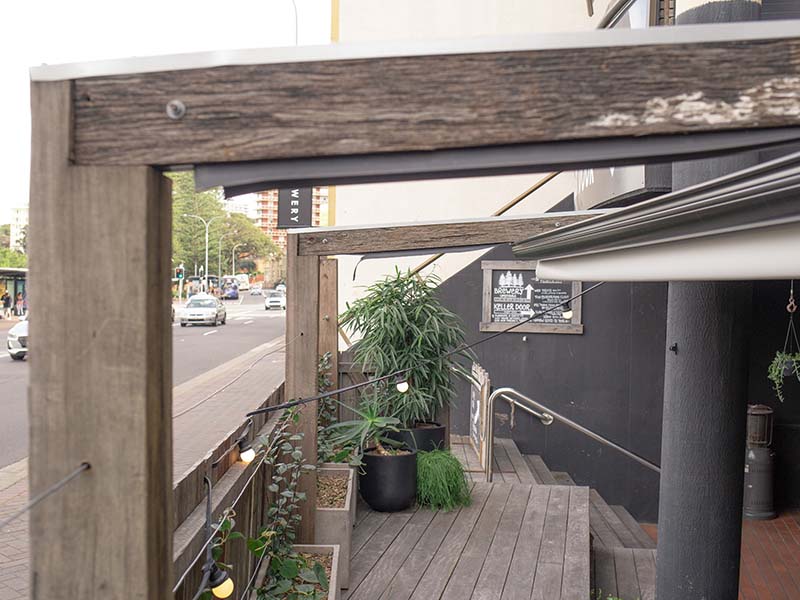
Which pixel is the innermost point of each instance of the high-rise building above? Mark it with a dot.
(267, 218)
(19, 221)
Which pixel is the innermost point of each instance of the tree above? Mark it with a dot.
(23, 240)
(188, 234)
(5, 235)
(12, 258)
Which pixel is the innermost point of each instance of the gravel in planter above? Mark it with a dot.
(332, 491)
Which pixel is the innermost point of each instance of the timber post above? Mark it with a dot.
(101, 391)
(302, 355)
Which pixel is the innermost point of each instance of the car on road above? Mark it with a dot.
(281, 287)
(17, 340)
(275, 299)
(255, 290)
(204, 309)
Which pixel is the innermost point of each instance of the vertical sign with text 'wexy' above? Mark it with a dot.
(294, 207)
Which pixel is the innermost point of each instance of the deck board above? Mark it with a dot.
(625, 568)
(462, 581)
(441, 566)
(498, 559)
(518, 463)
(526, 551)
(513, 542)
(645, 572)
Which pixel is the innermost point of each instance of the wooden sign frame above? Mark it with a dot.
(487, 325)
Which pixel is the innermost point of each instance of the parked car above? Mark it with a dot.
(204, 309)
(17, 340)
(275, 299)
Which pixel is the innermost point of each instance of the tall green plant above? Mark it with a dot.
(404, 326)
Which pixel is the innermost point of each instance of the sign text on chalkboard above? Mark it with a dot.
(511, 294)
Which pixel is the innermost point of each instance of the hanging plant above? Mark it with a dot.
(783, 365)
(787, 362)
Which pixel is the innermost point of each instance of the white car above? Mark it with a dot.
(275, 299)
(204, 309)
(17, 341)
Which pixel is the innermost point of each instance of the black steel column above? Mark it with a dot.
(705, 401)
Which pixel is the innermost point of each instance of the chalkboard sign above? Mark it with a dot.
(511, 294)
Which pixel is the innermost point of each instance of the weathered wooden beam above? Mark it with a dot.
(433, 235)
(302, 354)
(587, 86)
(101, 391)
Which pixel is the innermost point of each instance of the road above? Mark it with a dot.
(196, 350)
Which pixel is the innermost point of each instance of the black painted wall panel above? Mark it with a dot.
(610, 379)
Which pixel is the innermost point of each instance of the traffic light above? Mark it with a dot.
(179, 273)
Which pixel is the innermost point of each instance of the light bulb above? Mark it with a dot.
(248, 455)
(224, 589)
(402, 386)
(567, 313)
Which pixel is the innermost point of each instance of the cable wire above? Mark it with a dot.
(48, 492)
(235, 379)
(458, 350)
(218, 527)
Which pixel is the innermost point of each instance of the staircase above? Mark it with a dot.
(623, 556)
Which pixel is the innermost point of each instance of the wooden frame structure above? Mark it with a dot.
(99, 130)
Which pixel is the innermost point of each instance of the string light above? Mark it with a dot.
(220, 582)
(402, 386)
(246, 452)
(567, 312)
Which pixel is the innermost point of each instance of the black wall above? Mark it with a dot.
(770, 321)
(610, 379)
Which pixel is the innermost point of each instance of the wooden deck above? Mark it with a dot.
(515, 541)
(623, 551)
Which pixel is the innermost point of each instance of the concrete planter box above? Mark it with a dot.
(318, 549)
(354, 498)
(335, 525)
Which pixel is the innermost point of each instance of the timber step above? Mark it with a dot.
(623, 573)
(513, 541)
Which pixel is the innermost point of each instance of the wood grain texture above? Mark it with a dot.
(302, 353)
(329, 314)
(101, 391)
(474, 232)
(419, 103)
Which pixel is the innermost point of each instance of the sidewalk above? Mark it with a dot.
(246, 380)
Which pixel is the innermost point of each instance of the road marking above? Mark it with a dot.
(248, 322)
(210, 332)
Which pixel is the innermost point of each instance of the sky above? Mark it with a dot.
(57, 31)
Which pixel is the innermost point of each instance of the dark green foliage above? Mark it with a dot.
(775, 372)
(404, 326)
(441, 483)
(369, 428)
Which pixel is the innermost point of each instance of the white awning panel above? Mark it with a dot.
(764, 253)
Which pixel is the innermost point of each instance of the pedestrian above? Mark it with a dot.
(20, 305)
(5, 300)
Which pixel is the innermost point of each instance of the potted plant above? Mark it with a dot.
(441, 483)
(388, 470)
(783, 365)
(404, 327)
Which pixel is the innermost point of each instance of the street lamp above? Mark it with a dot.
(233, 259)
(207, 224)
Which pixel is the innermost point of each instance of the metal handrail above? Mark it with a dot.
(547, 416)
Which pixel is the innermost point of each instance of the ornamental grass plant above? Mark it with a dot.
(441, 482)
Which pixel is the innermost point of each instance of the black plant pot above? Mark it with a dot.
(388, 483)
(429, 437)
